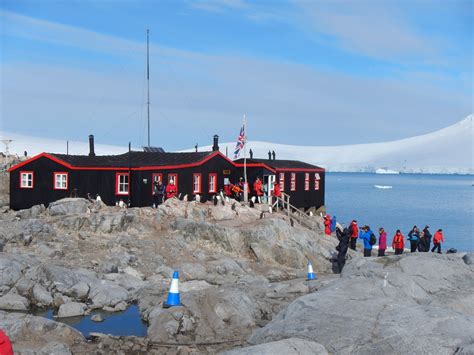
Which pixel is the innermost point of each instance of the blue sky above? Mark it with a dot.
(304, 72)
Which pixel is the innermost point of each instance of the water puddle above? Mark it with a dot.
(124, 323)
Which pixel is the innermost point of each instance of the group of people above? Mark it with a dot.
(162, 192)
(419, 240)
(259, 190)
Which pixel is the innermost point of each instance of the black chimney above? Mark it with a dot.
(196, 147)
(251, 154)
(215, 147)
(269, 155)
(273, 154)
(91, 146)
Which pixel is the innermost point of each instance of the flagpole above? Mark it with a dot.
(246, 192)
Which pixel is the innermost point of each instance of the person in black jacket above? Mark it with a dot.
(426, 239)
(343, 237)
(158, 193)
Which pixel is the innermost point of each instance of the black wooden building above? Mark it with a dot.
(129, 177)
(303, 182)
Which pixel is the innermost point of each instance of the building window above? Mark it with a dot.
(293, 182)
(122, 181)
(282, 181)
(197, 183)
(174, 178)
(60, 181)
(316, 181)
(306, 181)
(155, 177)
(212, 183)
(26, 179)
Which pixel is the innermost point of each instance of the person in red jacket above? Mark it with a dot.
(5, 344)
(354, 233)
(437, 239)
(327, 224)
(398, 243)
(258, 189)
(171, 190)
(276, 189)
(382, 241)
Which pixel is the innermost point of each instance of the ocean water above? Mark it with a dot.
(440, 201)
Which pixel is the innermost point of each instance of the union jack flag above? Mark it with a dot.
(240, 142)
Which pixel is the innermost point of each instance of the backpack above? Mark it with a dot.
(373, 239)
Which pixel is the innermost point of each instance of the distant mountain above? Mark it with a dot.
(447, 151)
(35, 145)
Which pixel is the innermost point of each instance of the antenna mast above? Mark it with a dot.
(148, 80)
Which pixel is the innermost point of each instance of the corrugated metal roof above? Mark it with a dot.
(136, 159)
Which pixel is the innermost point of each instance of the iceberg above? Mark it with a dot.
(386, 171)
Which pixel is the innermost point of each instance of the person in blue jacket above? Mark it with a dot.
(414, 238)
(333, 223)
(364, 235)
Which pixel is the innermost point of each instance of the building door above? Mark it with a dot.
(268, 181)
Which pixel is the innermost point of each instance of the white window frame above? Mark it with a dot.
(28, 182)
(121, 190)
(292, 181)
(316, 181)
(60, 180)
(197, 183)
(282, 181)
(212, 183)
(306, 181)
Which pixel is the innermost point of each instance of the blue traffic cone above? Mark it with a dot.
(311, 274)
(173, 296)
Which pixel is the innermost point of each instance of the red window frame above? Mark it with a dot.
(316, 181)
(56, 173)
(198, 175)
(213, 189)
(175, 178)
(282, 181)
(306, 181)
(153, 176)
(293, 182)
(32, 179)
(117, 179)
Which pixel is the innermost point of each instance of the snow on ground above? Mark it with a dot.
(447, 151)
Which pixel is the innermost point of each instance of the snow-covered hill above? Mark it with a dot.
(35, 145)
(447, 151)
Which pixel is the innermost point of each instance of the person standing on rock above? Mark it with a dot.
(365, 235)
(5, 344)
(354, 230)
(342, 247)
(171, 190)
(414, 238)
(382, 242)
(427, 238)
(158, 193)
(327, 224)
(398, 243)
(437, 239)
(258, 189)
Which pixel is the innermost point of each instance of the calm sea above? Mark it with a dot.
(440, 201)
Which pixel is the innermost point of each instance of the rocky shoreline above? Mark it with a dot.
(242, 281)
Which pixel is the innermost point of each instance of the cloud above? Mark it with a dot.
(196, 95)
(371, 28)
(218, 5)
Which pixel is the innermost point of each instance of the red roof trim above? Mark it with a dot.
(255, 165)
(161, 167)
(320, 170)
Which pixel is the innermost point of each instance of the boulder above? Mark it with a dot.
(68, 206)
(14, 302)
(10, 271)
(379, 301)
(41, 296)
(285, 346)
(71, 309)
